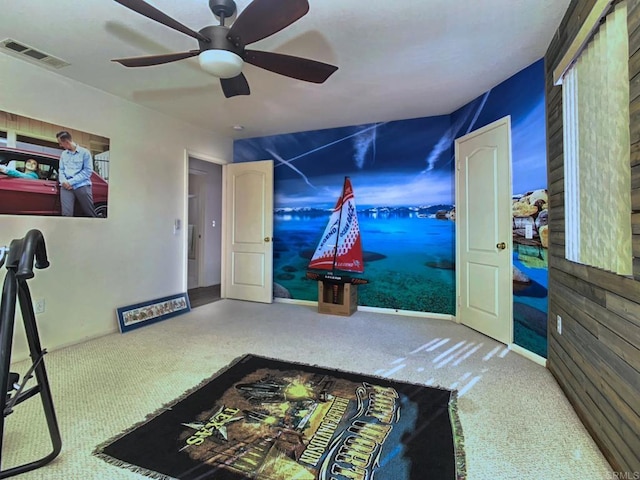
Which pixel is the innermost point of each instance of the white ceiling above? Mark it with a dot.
(397, 59)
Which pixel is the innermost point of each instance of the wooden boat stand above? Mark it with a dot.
(337, 294)
(337, 298)
(19, 258)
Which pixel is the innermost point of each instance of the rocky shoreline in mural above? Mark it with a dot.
(531, 218)
(530, 267)
(531, 235)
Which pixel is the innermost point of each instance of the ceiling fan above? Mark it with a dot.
(222, 49)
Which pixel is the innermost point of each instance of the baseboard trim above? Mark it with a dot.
(534, 357)
(407, 313)
(386, 311)
(293, 301)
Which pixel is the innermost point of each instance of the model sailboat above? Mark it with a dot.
(340, 247)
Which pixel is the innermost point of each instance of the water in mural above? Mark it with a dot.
(417, 274)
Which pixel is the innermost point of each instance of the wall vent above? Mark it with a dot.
(32, 54)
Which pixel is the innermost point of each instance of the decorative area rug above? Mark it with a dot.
(268, 419)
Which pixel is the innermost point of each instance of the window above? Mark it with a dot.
(37, 145)
(595, 89)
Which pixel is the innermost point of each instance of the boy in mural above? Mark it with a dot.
(76, 167)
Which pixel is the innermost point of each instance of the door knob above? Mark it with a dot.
(267, 239)
(501, 246)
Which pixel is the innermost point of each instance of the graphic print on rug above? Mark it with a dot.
(268, 419)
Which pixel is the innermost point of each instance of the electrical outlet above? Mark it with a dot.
(38, 305)
(559, 324)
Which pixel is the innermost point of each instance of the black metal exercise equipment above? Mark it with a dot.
(19, 258)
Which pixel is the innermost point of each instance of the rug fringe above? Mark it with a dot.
(98, 451)
(371, 375)
(133, 468)
(458, 437)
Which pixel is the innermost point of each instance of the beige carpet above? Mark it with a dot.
(516, 421)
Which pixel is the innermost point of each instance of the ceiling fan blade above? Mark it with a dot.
(235, 86)
(289, 66)
(143, 8)
(155, 59)
(263, 18)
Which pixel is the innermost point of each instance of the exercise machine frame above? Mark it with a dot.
(19, 258)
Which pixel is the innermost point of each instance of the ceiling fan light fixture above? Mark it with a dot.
(221, 49)
(221, 63)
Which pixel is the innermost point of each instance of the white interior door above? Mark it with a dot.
(484, 231)
(248, 226)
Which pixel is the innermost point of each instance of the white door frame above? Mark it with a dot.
(185, 215)
(505, 120)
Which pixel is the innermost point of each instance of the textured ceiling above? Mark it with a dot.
(397, 60)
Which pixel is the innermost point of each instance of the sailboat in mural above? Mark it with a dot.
(339, 251)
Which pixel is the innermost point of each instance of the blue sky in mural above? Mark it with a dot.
(416, 154)
(310, 166)
(522, 97)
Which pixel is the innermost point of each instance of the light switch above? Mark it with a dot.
(528, 231)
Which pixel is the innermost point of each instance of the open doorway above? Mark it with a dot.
(204, 237)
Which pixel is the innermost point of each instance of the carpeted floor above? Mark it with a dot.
(516, 421)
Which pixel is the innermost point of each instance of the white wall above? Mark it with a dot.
(133, 255)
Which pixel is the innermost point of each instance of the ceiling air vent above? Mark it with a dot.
(32, 54)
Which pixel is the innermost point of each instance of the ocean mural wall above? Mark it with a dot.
(402, 175)
(403, 179)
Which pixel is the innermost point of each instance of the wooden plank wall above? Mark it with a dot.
(596, 359)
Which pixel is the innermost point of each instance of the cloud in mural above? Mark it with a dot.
(371, 189)
(528, 150)
(289, 164)
(452, 133)
(483, 101)
(432, 190)
(442, 146)
(362, 143)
